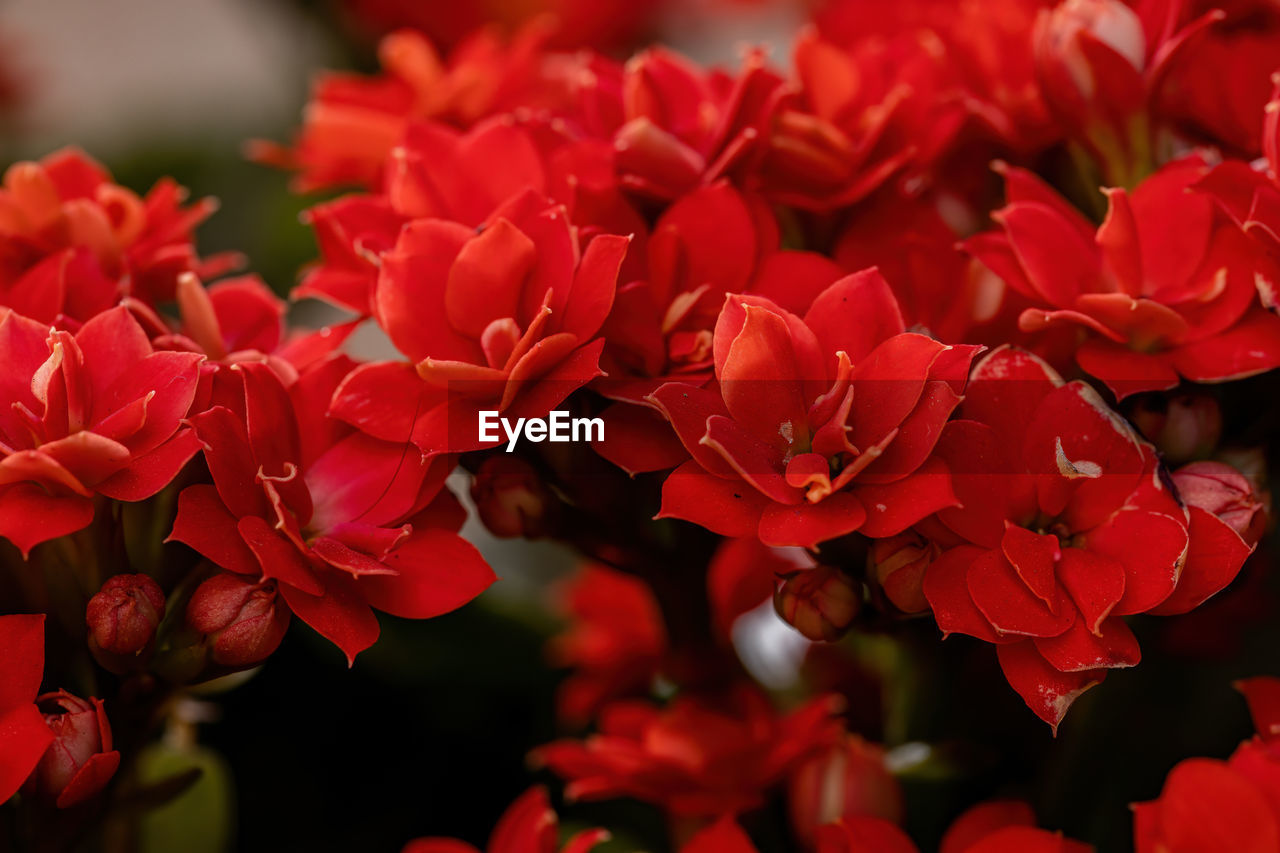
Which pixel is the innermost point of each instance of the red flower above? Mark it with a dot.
(528, 826)
(341, 521)
(1064, 526)
(1227, 105)
(502, 320)
(615, 643)
(711, 242)
(72, 243)
(353, 122)
(1164, 289)
(817, 427)
(1251, 197)
(693, 758)
(94, 413)
(846, 780)
(1209, 805)
(676, 126)
(80, 761)
(24, 734)
(998, 826)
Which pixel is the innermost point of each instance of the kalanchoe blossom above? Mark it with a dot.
(998, 826)
(95, 413)
(817, 427)
(341, 522)
(353, 122)
(529, 825)
(846, 780)
(676, 126)
(1250, 195)
(80, 761)
(1102, 66)
(693, 758)
(73, 243)
(24, 734)
(1208, 804)
(1064, 526)
(1165, 289)
(503, 320)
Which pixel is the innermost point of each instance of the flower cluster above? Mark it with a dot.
(952, 322)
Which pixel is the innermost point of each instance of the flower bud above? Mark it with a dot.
(1061, 34)
(848, 779)
(243, 621)
(124, 614)
(1184, 427)
(1222, 490)
(512, 499)
(898, 564)
(820, 603)
(80, 761)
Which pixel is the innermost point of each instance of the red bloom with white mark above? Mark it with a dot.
(1065, 525)
(342, 522)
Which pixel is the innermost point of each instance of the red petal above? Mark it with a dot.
(1263, 695)
(1214, 557)
(807, 525)
(1150, 547)
(1252, 346)
(148, 474)
(761, 381)
(1124, 371)
(1060, 262)
(230, 460)
(91, 778)
(24, 737)
(1079, 649)
(438, 571)
(855, 315)
(410, 294)
(204, 524)
(594, 285)
(723, 836)
(893, 507)
(1094, 582)
(888, 384)
(982, 820)
(1007, 603)
(1047, 692)
(29, 515)
(1205, 805)
(637, 439)
(22, 639)
(384, 399)
(278, 557)
(946, 587)
(340, 614)
(724, 506)
(1034, 557)
(172, 377)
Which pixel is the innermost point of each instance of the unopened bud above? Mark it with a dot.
(1222, 490)
(898, 565)
(80, 761)
(512, 499)
(124, 614)
(821, 603)
(848, 779)
(1186, 427)
(243, 621)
